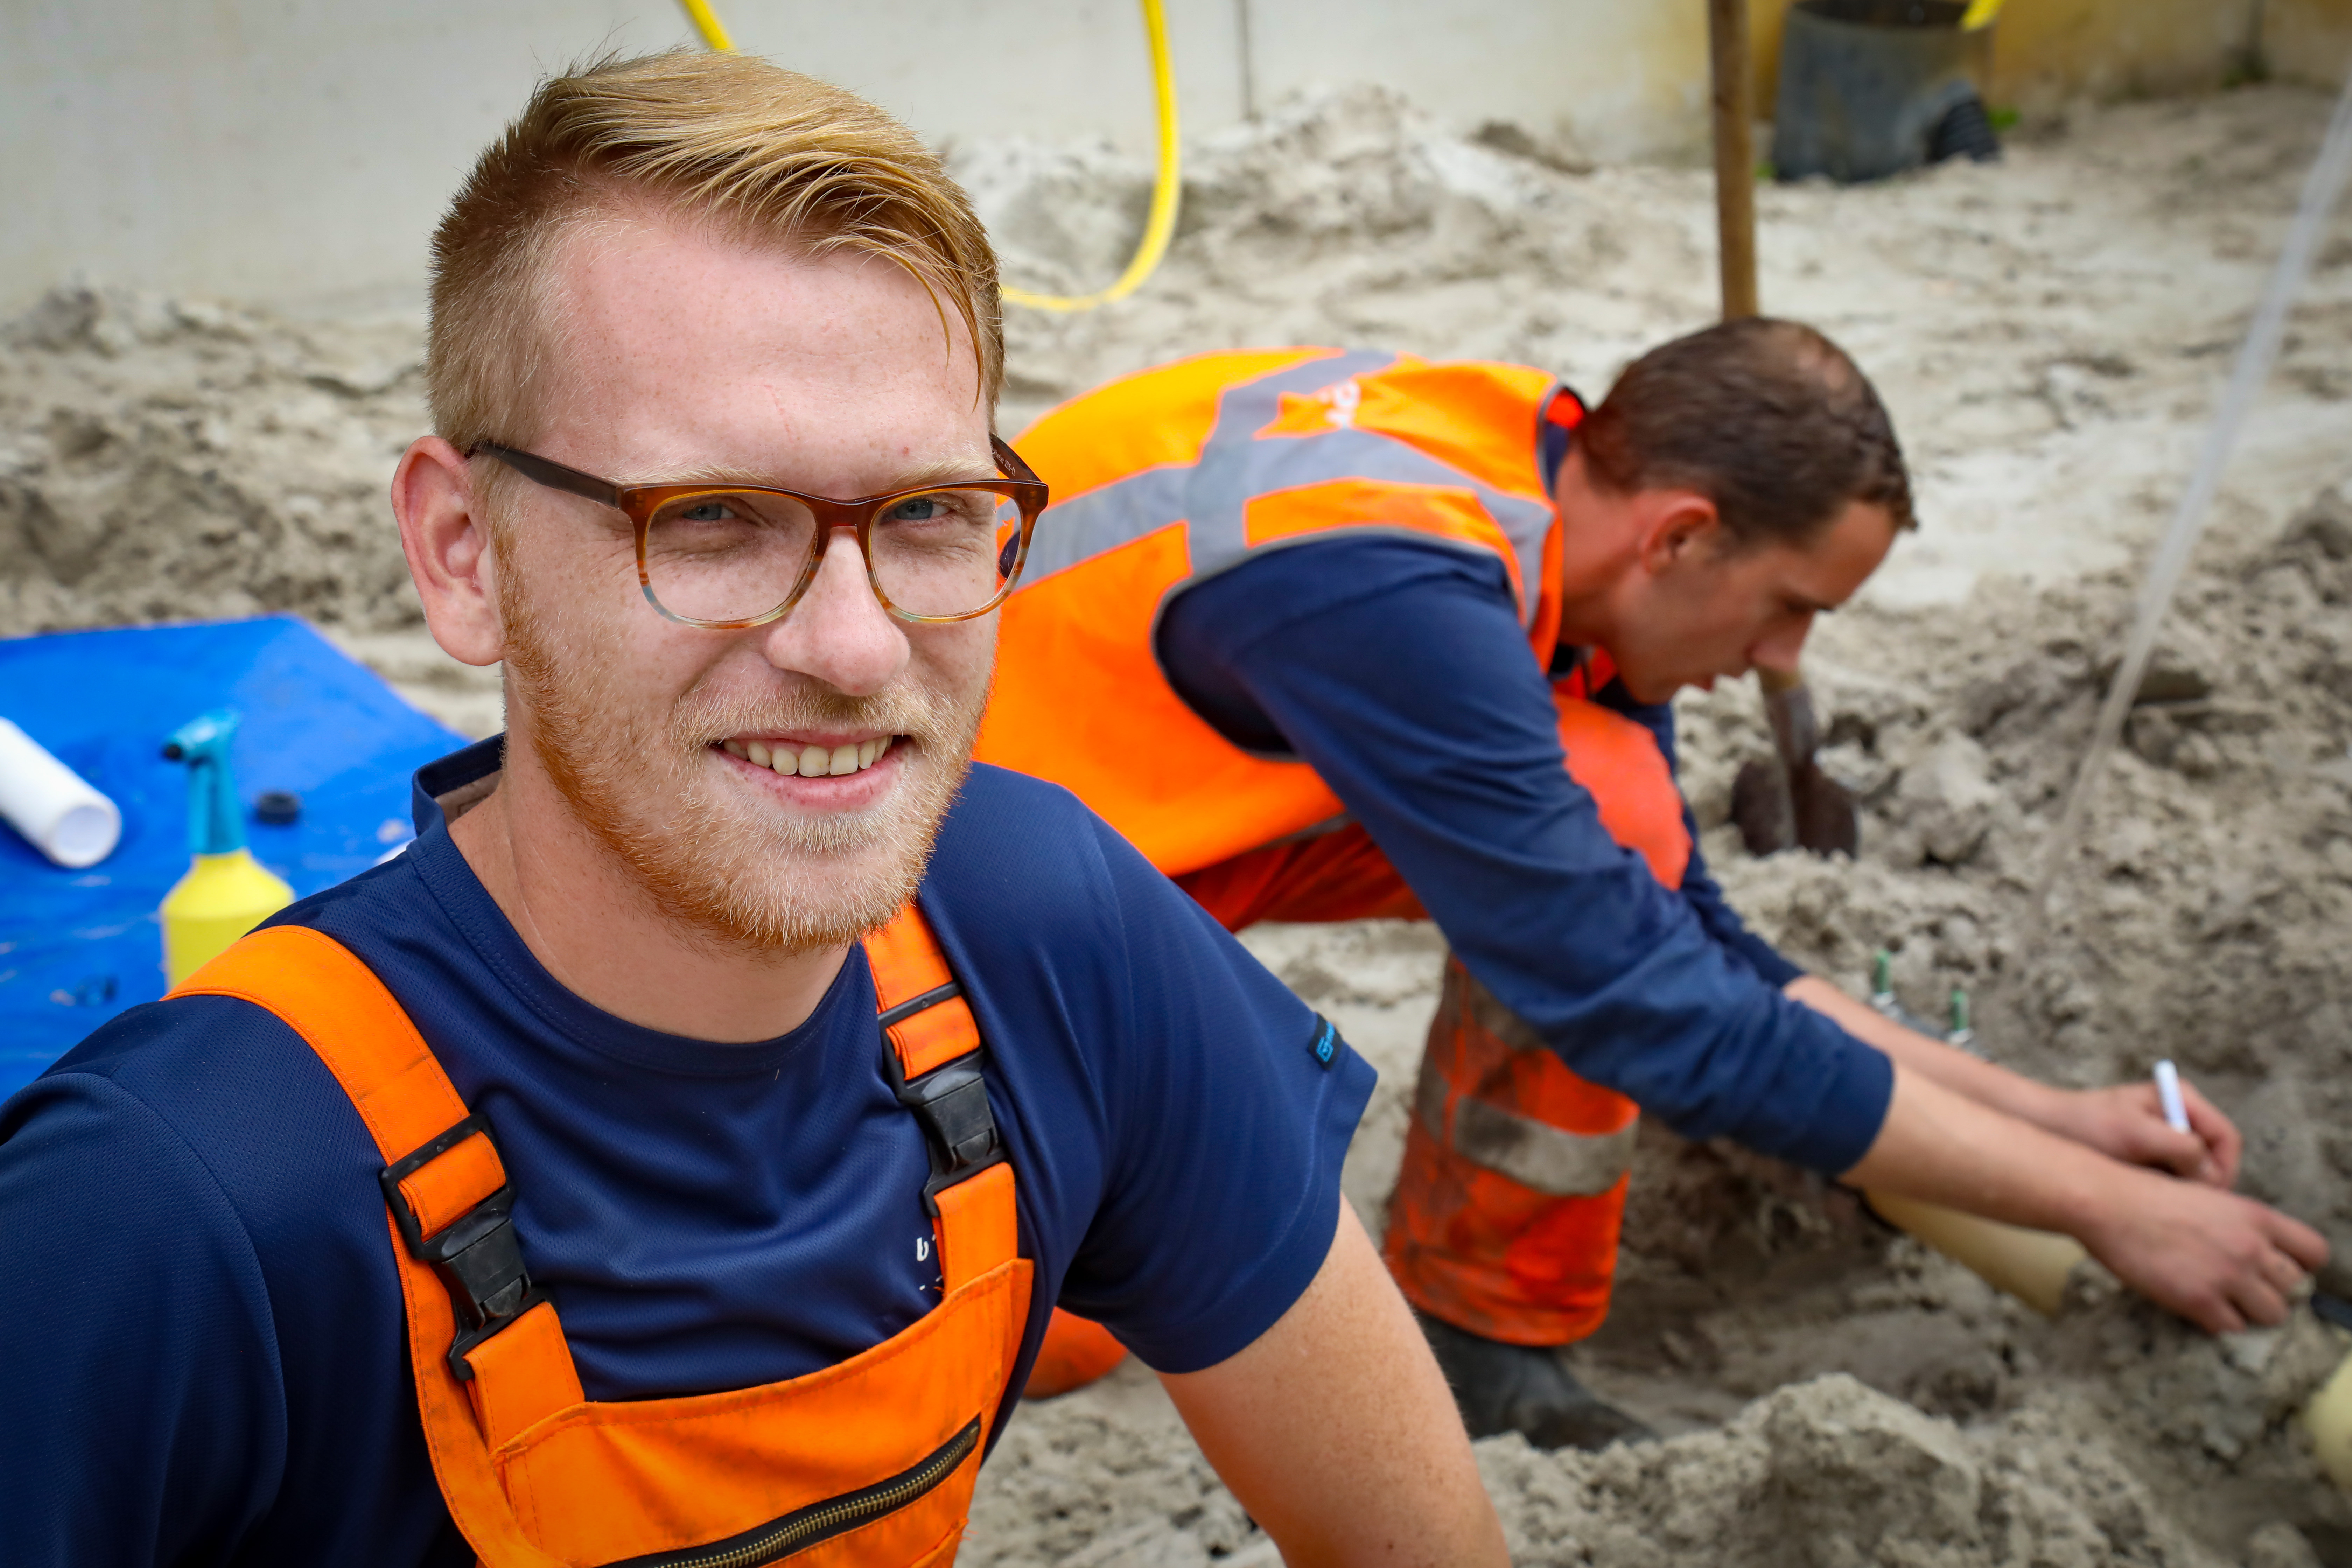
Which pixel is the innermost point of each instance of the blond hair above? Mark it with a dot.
(772, 156)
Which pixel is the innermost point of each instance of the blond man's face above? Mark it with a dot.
(683, 356)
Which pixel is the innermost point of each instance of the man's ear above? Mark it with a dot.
(448, 541)
(1678, 529)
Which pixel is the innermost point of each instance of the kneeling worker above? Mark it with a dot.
(673, 1155)
(1317, 630)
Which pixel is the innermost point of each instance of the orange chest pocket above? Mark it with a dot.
(869, 1462)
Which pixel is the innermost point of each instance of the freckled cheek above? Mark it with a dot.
(956, 656)
(631, 655)
(574, 571)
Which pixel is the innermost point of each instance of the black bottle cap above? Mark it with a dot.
(277, 807)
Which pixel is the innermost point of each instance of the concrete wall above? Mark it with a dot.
(2046, 53)
(297, 151)
(2308, 40)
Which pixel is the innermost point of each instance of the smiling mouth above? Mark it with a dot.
(810, 761)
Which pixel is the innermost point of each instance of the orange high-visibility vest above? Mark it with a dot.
(1174, 475)
(871, 1462)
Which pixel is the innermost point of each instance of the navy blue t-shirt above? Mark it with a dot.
(205, 1358)
(1397, 668)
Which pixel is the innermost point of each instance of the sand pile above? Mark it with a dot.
(2205, 915)
(1902, 1412)
(1817, 1475)
(2049, 332)
(177, 461)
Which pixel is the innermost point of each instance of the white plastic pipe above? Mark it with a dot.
(2320, 186)
(50, 804)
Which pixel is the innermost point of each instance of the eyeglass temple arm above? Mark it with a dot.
(555, 475)
(540, 470)
(1009, 463)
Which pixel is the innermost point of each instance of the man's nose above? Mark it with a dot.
(1781, 649)
(839, 633)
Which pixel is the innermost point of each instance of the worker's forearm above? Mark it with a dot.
(1995, 1087)
(2214, 1257)
(1335, 1429)
(1946, 1147)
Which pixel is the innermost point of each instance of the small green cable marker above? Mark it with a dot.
(1961, 1034)
(1882, 989)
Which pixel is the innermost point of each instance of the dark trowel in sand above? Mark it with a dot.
(1786, 800)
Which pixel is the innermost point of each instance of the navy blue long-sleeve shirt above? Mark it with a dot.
(1398, 670)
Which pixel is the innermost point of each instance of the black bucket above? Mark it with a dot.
(1870, 87)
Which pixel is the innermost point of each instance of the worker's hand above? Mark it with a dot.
(2126, 1121)
(2220, 1260)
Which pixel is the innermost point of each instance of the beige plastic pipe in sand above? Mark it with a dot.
(2328, 1419)
(2329, 1416)
(2032, 1265)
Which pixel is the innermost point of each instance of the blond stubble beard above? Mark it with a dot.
(767, 885)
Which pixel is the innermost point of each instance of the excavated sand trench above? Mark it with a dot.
(2051, 333)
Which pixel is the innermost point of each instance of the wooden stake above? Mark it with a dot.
(1735, 156)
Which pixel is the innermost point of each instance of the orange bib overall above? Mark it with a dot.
(1507, 1216)
(871, 1462)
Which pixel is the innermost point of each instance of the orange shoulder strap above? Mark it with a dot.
(335, 1002)
(935, 1046)
(326, 995)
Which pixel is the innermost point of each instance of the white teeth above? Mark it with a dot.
(813, 761)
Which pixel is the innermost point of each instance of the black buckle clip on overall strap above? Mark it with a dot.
(477, 1255)
(950, 1102)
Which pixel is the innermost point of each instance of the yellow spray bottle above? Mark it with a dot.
(227, 892)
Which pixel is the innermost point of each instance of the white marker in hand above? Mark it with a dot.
(2168, 1090)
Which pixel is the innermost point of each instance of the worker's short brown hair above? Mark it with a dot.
(1767, 418)
(763, 153)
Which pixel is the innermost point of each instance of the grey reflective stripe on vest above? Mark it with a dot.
(1213, 494)
(1232, 468)
(1530, 1152)
(1104, 518)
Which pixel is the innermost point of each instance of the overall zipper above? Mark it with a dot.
(805, 1527)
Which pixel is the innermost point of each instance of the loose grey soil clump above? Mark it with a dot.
(2049, 334)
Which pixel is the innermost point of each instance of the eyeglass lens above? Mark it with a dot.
(728, 556)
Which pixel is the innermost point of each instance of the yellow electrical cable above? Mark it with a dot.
(1160, 226)
(707, 23)
(1980, 13)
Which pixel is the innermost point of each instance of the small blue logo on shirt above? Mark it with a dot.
(1326, 1042)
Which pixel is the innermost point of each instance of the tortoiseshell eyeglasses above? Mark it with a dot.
(731, 557)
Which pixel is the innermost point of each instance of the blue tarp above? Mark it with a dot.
(77, 947)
